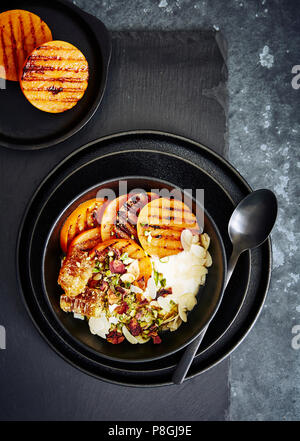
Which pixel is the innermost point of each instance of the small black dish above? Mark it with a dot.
(208, 298)
(24, 127)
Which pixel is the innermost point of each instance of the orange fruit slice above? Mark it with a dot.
(20, 33)
(55, 76)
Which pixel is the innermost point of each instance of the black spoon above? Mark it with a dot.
(249, 226)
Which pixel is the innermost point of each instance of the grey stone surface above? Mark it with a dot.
(264, 126)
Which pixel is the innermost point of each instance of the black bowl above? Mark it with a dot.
(157, 155)
(209, 296)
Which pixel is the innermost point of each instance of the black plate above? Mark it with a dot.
(69, 23)
(224, 188)
(208, 298)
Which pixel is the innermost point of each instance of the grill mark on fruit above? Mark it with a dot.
(161, 209)
(170, 237)
(128, 229)
(61, 79)
(136, 206)
(32, 30)
(166, 229)
(14, 47)
(120, 233)
(69, 235)
(46, 89)
(36, 68)
(181, 219)
(164, 233)
(24, 47)
(124, 218)
(54, 57)
(43, 28)
(55, 90)
(124, 227)
(170, 208)
(130, 218)
(5, 59)
(65, 100)
(168, 246)
(56, 48)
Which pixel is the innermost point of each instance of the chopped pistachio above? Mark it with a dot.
(155, 277)
(163, 282)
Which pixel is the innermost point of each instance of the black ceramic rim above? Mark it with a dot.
(103, 42)
(267, 273)
(142, 360)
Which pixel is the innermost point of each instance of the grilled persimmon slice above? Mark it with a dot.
(120, 216)
(109, 217)
(85, 217)
(55, 76)
(86, 240)
(20, 32)
(134, 251)
(160, 224)
(127, 215)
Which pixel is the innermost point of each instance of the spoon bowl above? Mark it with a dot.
(252, 220)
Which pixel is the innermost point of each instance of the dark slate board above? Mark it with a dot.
(171, 81)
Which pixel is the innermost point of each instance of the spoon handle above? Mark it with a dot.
(190, 352)
(231, 265)
(187, 359)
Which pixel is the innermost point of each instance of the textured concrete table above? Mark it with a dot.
(264, 127)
